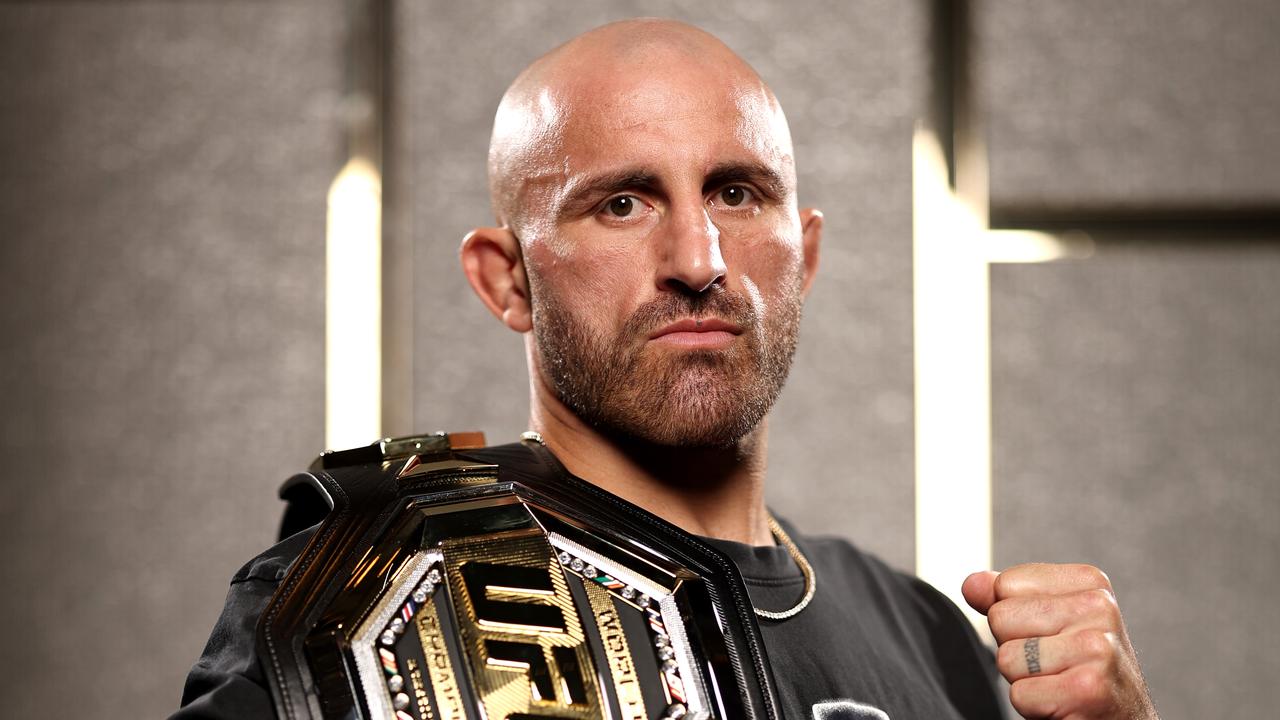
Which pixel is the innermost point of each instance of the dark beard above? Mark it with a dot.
(688, 399)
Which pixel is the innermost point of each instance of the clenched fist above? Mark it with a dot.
(1062, 642)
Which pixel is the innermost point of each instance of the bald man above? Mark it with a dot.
(650, 248)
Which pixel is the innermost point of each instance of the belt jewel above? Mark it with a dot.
(442, 587)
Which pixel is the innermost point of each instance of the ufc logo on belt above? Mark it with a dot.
(521, 630)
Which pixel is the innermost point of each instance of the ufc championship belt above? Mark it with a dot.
(458, 582)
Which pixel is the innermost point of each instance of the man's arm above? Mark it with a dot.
(228, 681)
(1063, 644)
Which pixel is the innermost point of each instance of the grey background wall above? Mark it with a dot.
(162, 244)
(162, 210)
(1137, 393)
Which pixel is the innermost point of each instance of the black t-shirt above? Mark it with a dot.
(874, 642)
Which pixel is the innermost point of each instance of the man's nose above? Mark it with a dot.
(691, 259)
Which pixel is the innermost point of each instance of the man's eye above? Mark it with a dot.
(622, 206)
(734, 195)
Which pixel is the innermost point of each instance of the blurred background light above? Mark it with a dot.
(952, 252)
(952, 379)
(1032, 246)
(353, 307)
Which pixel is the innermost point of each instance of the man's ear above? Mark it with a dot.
(811, 229)
(494, 266)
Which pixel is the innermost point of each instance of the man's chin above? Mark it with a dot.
(711, 438)
(705, 400)
(690, 421)
(676, 435)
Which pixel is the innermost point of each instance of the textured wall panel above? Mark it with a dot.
(162, 204)
(1137, 407)
(1102, 104)
(851, 78)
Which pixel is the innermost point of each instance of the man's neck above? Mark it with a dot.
(711, 492)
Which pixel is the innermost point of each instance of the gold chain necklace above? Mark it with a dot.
(810, 577)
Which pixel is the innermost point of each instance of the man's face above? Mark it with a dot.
(665, 258)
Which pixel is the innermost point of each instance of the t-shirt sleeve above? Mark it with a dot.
(967, 665)
(228, 681)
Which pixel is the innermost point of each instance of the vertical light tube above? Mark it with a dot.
(353, 308)
(353, 255)
(953, 251)
(952, 380)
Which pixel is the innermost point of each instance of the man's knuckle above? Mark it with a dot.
(1018, 695)
(1003, 653)
(1003, 585)
(1045, 606)
(1110, 607)
(1094, 577)
(997, 616)
(1115, 654)
(1094, 644)
(1090, 685)
(1006, 655)
(1099, 603)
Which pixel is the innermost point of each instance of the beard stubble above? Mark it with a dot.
(628, 389)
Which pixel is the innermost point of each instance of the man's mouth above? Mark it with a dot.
(697, 333)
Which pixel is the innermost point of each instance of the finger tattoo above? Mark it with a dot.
(1031, 651)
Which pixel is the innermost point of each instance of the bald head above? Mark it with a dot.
(589, 91)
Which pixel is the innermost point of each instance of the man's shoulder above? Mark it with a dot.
(272, 564)
(227, 681)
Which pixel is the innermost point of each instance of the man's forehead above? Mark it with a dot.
(656, 123)
(631, 100)
(678, 98)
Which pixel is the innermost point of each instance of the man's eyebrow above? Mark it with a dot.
(583, 194)
(762, 176)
